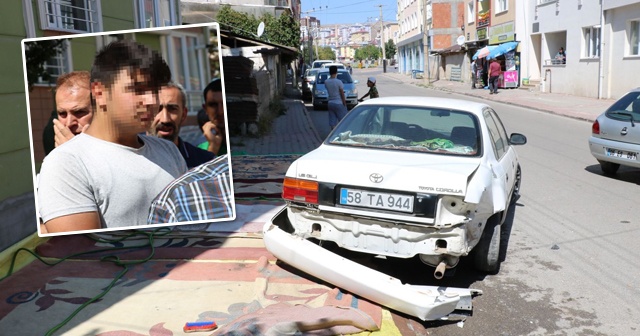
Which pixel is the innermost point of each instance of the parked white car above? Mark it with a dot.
(319, 63)
(337, 65)
(409, 176)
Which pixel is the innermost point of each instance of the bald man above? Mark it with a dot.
(73, 106)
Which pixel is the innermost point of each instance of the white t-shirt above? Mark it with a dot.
(88, 174)
(333, 86)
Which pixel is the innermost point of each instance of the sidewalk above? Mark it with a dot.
(292, 133)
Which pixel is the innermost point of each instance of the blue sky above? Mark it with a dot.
(349, 11)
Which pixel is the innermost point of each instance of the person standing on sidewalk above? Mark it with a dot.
(337, 102)
(494, 75)
(474, 74)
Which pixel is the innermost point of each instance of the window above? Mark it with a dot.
(591, 42)
(57, 65)
(501, 6)
(186, 61)
(471, 13)
(497, 133)
(156, 13)
(634, 38)
(78, 16)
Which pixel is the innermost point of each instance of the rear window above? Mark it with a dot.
(626, 107)
(318, 64)
(416, 129)
(343, 76)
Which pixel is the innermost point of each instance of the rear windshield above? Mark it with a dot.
(626, 107)
(410, 128)
(343, 76)
(318, 64)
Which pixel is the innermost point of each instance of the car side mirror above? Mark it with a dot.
(356, 81)
(312, 82)
(517, 139)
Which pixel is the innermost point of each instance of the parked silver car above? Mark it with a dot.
(307, 82)
(320, 96)
(615, 135)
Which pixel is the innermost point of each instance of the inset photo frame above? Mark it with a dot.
(128, 130)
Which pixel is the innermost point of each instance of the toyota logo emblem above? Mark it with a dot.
(375, 178)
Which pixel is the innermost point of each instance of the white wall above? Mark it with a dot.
(620, 70)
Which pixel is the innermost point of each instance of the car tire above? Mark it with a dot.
(515, 195)
(609, 168)
(486, 254)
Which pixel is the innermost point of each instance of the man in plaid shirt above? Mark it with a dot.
(202, 194)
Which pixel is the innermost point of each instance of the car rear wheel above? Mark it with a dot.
(609, 168)
(515, 195)
(486, 254)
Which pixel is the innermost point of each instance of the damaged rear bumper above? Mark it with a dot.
(423, 302)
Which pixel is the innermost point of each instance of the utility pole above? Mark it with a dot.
(425, 39)
(384, 56)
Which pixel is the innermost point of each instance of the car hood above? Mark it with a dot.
(386, 169)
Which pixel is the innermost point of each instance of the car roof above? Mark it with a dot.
(419, 101)
(326, 65)
(321, 70)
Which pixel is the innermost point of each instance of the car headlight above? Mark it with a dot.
(351, 92)
(321, 92)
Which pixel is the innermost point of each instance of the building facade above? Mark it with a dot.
(601, 41)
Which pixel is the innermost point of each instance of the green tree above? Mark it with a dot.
(37, 53)
(369, 52)
(283, 30)
(237, 22)
(390, 49)
(324, 53)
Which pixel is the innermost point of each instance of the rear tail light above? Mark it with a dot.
(300, 190)
(595, 128)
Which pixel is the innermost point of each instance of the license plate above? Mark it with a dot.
(377, 200)
(621, 154)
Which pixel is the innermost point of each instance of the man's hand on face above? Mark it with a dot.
(214, 136)
(63, 133)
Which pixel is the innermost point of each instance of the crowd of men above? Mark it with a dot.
(119, 160)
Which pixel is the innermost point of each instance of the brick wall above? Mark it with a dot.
(41, 103)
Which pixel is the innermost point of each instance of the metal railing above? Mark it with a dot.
(554, 61)
(70, 15)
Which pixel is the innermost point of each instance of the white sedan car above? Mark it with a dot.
(409, 176)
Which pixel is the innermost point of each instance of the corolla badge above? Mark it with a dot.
(375, 178)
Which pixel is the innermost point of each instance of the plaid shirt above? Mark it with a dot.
(203, 193)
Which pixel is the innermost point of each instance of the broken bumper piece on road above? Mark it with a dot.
(423, 302)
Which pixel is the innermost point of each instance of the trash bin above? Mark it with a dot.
(414, 73)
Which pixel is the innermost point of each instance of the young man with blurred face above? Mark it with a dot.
(214, 130)
(166, 124)
(111, 172)
(73, 106)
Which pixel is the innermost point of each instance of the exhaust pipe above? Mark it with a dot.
(440, 269)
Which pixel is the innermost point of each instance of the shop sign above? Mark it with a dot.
(484, 13)
(482, 34)
(501, 33)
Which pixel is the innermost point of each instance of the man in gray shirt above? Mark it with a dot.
(337, 102)
(107, 176)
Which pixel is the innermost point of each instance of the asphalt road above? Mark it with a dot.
(570, 252)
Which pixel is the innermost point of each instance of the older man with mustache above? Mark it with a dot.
(166, 124)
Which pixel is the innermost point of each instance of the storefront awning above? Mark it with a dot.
(502, 49)
(450, 50)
